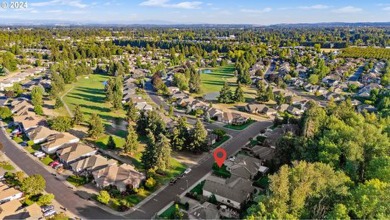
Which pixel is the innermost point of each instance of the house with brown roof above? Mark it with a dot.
(9, 209)
(123, 177)
(8, 194)
(73, 152)
(92, 163)
(39, 134)
(29, 121)
(21, 107)
(58, 140)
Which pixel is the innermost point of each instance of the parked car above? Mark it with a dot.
(41, 155)
(187, 171)
(59, 165)
(172, 181)
(49, 213)
(47, 208)
(54, 163)
(23, 144)
(37, 152)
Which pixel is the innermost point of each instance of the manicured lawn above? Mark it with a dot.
(240, 127)
(47, 160)
(222, 172)
(213, 82)
(88, 93)
(198, 189)
(219, 143)
(102, 142)
(78, 180)
(167, 214)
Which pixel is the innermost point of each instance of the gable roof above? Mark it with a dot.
(58, 139)
(235, 188)
(120, 176)
(94, 162)
(244, 166)
(74, 151)
(41, 132)
(204, 211)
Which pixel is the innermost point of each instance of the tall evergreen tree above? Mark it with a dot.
(163, 153)
(132, 112)
(96, 127)
(78, 116)
(149, 155)
(239, 94)
(225, 95)
(132, 143)
(37, 95)
(198, 137)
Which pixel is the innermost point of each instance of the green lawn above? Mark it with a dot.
(77, 180)
(198, 189)
(102, 142)
(219, 143)
(240, 127)
(221, 171)
(167, 214)
(88, 93)
(47, 160)
(213, 82)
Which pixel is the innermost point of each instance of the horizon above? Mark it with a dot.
(188, 12)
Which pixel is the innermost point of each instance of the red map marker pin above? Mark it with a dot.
(220, 156)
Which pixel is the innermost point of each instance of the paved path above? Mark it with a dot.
(65, 105)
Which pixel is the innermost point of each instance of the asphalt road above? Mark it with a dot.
(150, 208)
(65, 196)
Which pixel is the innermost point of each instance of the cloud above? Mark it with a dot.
(166, 4)
(348, 9)
(254, 11)
(71, 3)
(386, 9)
(314, 7)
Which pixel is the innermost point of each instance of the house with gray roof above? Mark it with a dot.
(233, 192)
(203, 211)
(244, 166)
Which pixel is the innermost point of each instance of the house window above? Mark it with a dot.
(228, 201)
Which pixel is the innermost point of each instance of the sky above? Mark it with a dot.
(259, 12)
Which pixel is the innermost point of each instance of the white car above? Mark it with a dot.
(187, 171)
(49, 213)
(37, 153)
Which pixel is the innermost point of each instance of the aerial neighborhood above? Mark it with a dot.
(122, 122)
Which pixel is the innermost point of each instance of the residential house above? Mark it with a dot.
(264, 153)
(3, 101)
(123, 177)
(39, 134)
(29, 121)
(294, 111)
(365, 107)
(244, 166)
(92, 163)
(9, 193)
(58, 140)
(173, 89)
(203, 211)
(10, 209)
(214, 113)
(366, 90)
(73, 152)
(21, 107)
(255, 108)
(233, 192)
(5, 84)
(178, 95)
(274, 136)
(143, 106)
(183, 102)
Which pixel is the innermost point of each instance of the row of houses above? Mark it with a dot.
(19, 77)
(80, 158)
(11, 206)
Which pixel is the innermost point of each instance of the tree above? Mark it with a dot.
(270, 93)
(220, 133)
(5, 112)
(163, 148)
(96, 127)
(313, 79)
(225, 95)
(195, 81)
(103, 197)
(340, 212)
(37, 95)
(305, 190)
(132, 143)
(132, 112)
(371, 200)
(45, 199)
(198, 137)
(111, 143)
(18, 89)
(61, 123)
(177, 213)
(38, 109)
(239, 94)
(150, 183)
(261, 92)
(58, 104)
(33, 185)
(78, 116)
(149, 155)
